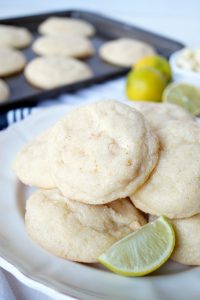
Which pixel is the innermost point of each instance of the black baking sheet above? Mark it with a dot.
(23, 94)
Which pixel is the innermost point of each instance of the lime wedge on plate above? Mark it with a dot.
(143, 251)
(185, 95)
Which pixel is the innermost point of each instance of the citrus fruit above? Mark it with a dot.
(185, 95)
(155, 61)
(145, 84)
(143, 251)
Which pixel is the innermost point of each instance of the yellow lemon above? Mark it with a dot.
(145, 84)
(157, 62)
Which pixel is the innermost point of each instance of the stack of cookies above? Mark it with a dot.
(86, 167)
(173, 189)
(104, 164)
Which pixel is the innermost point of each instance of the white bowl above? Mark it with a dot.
(180, 74)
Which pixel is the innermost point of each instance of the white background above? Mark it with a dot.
(173, 18)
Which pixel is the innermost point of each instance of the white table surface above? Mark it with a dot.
(178, 19)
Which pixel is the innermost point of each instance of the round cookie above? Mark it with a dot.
(187, 240)
(11, 61)
(125, 52)
(4, 91)
(53, 71)
(101, 152)
(77, 231)
(60, 25)
(31, 164)
(16, 37)
(66, 45)
(187, 245)
(173, 188)
(158, 114)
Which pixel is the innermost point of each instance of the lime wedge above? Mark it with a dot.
(143, 251)
(185, 95)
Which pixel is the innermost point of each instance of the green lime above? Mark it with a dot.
(143, 251)
(185, 95)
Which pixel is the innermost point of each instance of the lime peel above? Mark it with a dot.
(143, 251)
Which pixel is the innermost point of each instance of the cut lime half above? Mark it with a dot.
(185, 95)
(143, 251)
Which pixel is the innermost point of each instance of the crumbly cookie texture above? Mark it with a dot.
(159, 114)
(173, 187)
(15, 37)
(125, 52)
(77, 231)
(11, 61)
(101, 152)
(64, 45)
(61, 25)
(53, 71)
(4, 90)
(31, 164)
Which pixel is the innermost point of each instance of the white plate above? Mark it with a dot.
(54, 276)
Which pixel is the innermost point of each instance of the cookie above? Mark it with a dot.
(11, 61)
(31, 164)
(60, 25)
(187, 240)
(53, 71)
(4, 90)
(77, 231)
(187, 244)
(125, 52)
(173, 188)
(158, 114)
(101, 152)
(14, 37)
(66, 45)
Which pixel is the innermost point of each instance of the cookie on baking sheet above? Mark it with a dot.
(125, 52)
(101, 152)
(4, 90)
(14, 37)
(31, 164)
(158, 114)
(52, 71)
(60, 25)
(187, 245)
(11, 61)
(65, 45)
(77, 231)
(173, 188)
